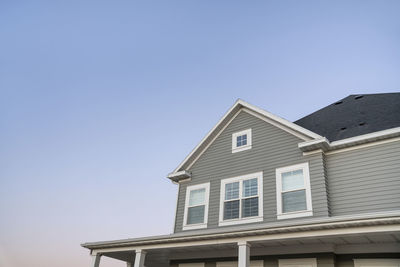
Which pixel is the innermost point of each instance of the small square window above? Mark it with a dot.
(241, 141)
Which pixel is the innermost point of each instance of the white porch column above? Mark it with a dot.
(96, 260)
(244, 254)
(139, 259)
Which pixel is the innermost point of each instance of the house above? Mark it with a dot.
(261, 191)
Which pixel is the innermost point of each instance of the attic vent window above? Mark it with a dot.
(241, 141)
(343, 128)
(338, 103)
(359, 96)
(361, 123)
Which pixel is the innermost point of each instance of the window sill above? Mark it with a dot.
(241, 148)
(194, 226)
(295, 214)
(241, 221)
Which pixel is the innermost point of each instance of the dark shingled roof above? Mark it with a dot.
(355, 115)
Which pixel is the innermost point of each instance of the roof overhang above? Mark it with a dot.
(326, 146)
(179, 176)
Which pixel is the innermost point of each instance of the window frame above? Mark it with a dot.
(235, 148)
(185, 225)
(240, 179)
(307, 186)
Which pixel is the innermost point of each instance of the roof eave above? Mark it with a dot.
(325, 145)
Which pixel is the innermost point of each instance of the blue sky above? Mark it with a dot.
(101, 99)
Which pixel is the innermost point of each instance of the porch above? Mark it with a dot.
(331, 244)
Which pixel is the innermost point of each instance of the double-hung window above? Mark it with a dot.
(196, 207)
(293, 191)
(241, 200)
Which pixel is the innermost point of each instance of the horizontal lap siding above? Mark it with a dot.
(271, 148)
(365, 180)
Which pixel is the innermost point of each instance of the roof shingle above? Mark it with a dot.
(355, 115)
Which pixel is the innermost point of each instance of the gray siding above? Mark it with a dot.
(364, 180)
(271, 148)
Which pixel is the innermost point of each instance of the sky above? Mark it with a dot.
(100, 100)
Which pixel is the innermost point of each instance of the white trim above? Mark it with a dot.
(276, 124)
(183, 173)
(376, 262)
(284, 124)
(318, 151)
(335, 229)
(349, 143)
(355, 147)
(203, 225)
(376, 143)
(312, 262)
(307, 187)
(240, 179)
(360, 138)
(282, 121)
(235, 148)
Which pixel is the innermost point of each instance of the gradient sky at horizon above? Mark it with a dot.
(101, 99)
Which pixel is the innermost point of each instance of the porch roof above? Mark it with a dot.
(292, 226)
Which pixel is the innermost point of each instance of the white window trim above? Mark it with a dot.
(259, 218)
(296, 262)
(376, 262)
(207, 196)
(235, 148)
(307, 186)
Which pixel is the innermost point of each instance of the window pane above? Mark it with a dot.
(241, 140)
(292, 180)
(231, 210)
(244, 140)
(250, 188)
(196, 215)
(294, 201)
(250, 207)
(197, 197)
(232, 191)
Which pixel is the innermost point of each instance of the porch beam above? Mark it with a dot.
(244, 254)
(278, 236)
